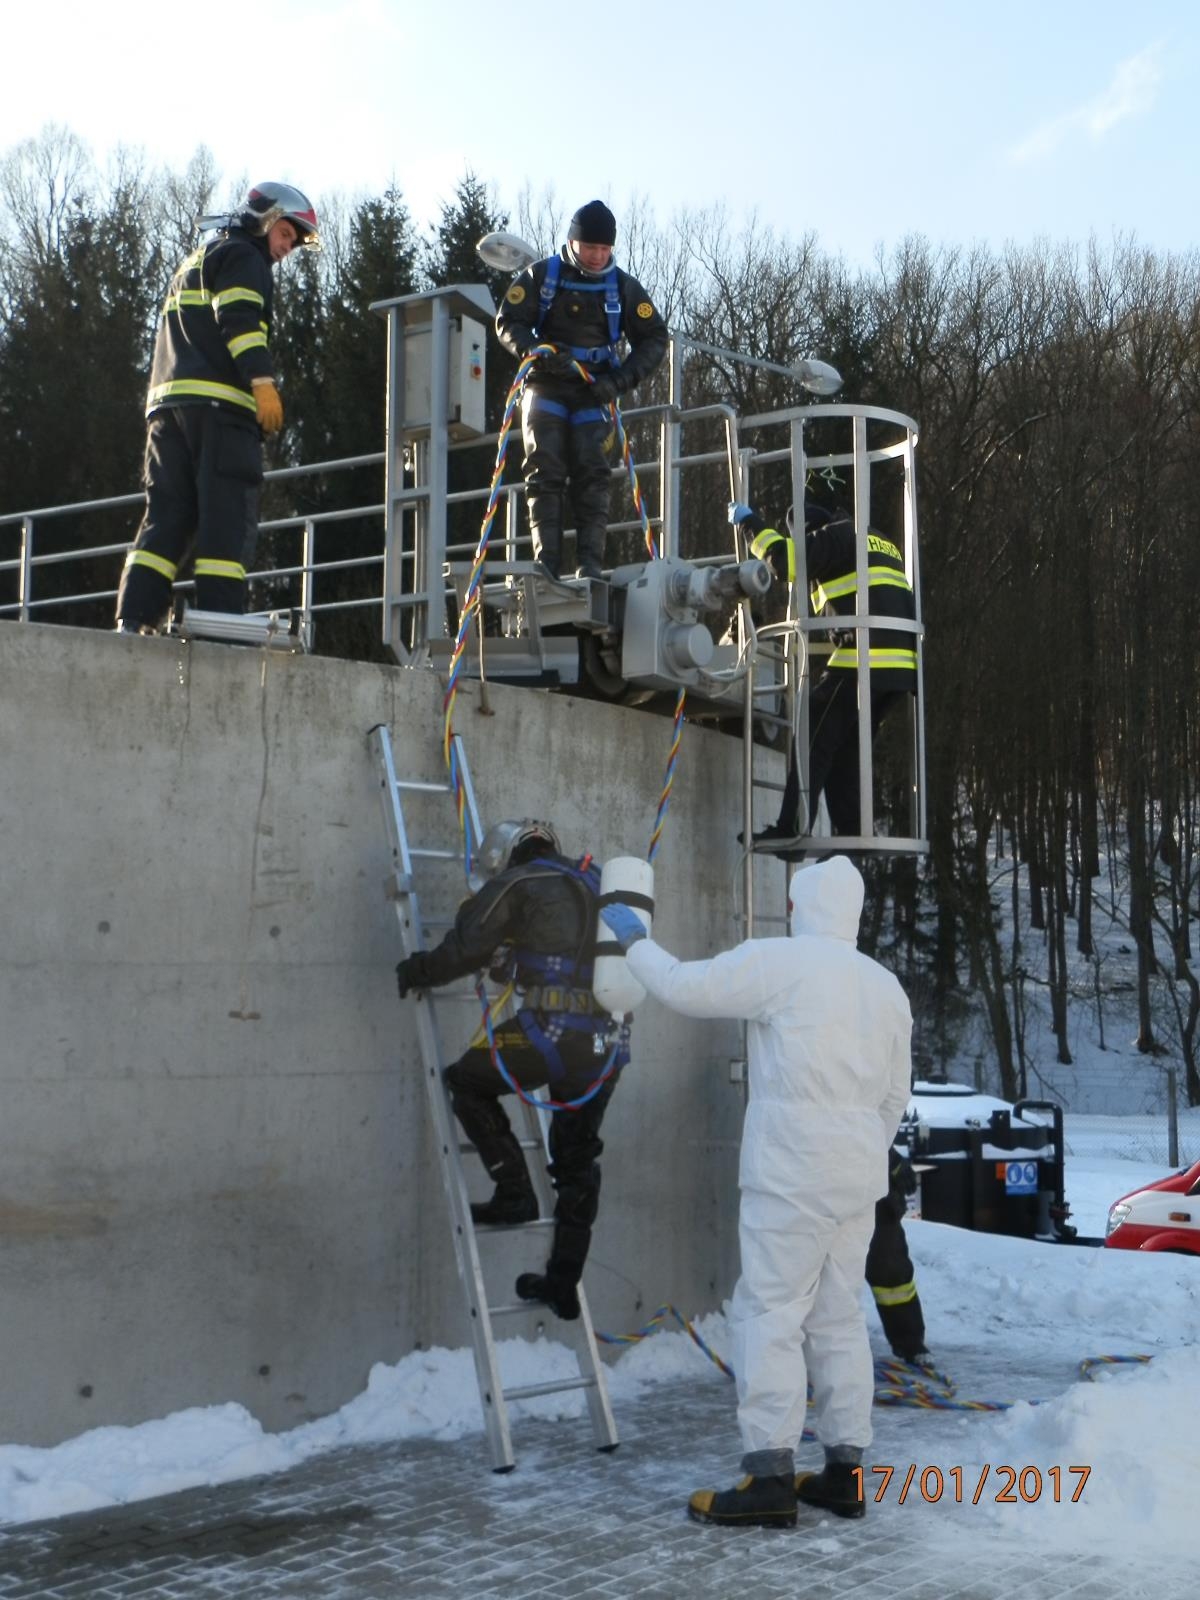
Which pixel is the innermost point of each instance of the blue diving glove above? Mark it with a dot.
(739, 512)
(624, 924)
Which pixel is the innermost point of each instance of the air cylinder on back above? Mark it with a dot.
(630, 880)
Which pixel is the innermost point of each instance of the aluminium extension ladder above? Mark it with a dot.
(402, 890)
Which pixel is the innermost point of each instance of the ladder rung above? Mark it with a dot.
(528, 1390)
(526, 1144)
(516, 1306)
(423, 786)
(436, 855)
(513, 1227)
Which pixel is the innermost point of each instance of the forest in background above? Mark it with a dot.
(1057, 388)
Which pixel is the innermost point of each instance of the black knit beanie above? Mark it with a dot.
(593, 223)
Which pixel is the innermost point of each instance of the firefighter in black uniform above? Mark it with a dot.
(582, 303)
(212, 389)
(890, 1271)
(830, 560)
(536, 917)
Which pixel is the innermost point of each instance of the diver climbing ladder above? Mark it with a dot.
(403, 892)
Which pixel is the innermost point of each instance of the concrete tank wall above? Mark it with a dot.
(217, 1179)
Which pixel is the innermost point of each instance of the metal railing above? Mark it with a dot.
(30, 560)
(31, 529)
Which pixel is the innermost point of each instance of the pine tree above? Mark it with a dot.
(449, 256)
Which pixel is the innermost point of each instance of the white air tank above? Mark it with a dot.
(629, 879)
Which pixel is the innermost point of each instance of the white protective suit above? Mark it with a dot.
(830, 1069)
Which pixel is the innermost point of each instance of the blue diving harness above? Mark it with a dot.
(609, 287)
(563, 1002)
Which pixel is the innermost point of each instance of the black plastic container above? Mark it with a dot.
(993, 1176)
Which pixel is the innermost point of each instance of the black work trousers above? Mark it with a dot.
(575, 1144)
(567, 439)
(833, 752)
(203, 470)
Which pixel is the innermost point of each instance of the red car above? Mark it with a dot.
(1163, 1216)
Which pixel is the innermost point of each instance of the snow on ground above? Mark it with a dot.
(1045, 1305)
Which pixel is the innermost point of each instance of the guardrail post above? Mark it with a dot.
(308, 557)
(668, 456)
(25, 576)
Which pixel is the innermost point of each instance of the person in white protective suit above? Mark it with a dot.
(830, 1068)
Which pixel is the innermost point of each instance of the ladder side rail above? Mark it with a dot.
(862, 635)
(802, 685)
(582, 1332)
(918, 823)
(466, 1247)
(742, 467)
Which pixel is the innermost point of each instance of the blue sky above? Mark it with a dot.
(863, 122)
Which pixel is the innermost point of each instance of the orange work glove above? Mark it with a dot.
(268, 405)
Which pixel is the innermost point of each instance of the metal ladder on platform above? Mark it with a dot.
(402, 890)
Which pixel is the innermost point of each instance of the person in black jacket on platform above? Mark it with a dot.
(584, 305)
(830, 565)
(212, 396)
(536, 916)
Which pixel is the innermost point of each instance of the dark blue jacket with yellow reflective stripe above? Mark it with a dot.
(830, 562)
(212, 339)
(576, 319)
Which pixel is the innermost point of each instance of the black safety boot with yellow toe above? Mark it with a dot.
(752, 1503)
(837, 1488)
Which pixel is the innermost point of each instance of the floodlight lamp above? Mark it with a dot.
(505, 252)
(818, 377)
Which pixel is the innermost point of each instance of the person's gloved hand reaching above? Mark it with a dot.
(409, 975)
(625, 925)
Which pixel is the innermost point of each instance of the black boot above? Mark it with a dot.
(512, 1203)
(548, 540)
(562, 1297)
(752, 1503)
(837, 1488)
(589, 549)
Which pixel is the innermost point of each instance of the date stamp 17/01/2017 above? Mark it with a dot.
(1002, 1485)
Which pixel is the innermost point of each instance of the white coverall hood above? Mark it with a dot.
(826, 898)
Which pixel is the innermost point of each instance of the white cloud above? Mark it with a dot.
(1131, 93)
